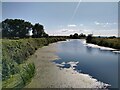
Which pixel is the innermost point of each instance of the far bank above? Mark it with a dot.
(107, 42)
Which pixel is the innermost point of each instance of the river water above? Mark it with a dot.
(100, 64)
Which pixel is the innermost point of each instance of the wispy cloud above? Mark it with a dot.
(81, 25)
(104, 24)
(75, 11)
(64, 30)
(112, 32)
(97, 23)
(98, 28)
(67, 30)
(72, 25)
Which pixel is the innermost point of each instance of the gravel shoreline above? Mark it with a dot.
(48, 75)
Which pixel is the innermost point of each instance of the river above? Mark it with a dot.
(100, 64)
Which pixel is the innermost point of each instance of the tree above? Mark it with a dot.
(75, 36)
(71, 36)
(112, 37)
(82, 35)
(12, 28)
(89, 38)
(45, 35)
(38, 30)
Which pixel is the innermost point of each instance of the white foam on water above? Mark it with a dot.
(72, 64)
(63, 63)
(116, 51)
(60, 65)
(102, 48)
(94, 83)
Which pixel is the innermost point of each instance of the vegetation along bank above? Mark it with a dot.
(20, 39)
(111, 42)
(17, 71)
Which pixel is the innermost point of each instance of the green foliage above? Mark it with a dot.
(14, 57)
(107, 42)
(18, 28)
(76, 36)
(82, 35)
(38, 30)
(15, 28)
(89, 38)
(25, 72)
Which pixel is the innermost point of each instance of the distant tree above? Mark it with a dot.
(99, 37)
(45, 35)
(71, 36)
(112, 37)
(82, 35)
(38, 30)
(75, 36)
(89, 38)
(15, 28)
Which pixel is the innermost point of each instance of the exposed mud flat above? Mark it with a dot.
(49, 75)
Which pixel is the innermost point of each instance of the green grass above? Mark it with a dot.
(107, 42)
(16, 70)
(19, 80)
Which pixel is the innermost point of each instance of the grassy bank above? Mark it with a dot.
(107, 42)
(16, 70)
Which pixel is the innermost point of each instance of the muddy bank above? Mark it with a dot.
(48, 75)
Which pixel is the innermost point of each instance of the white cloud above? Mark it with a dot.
(97, 23)
(107, 23)
(100, 29)
(81, 25)
(112, 32)
(72, 25)
(67, 30)
(64, 30)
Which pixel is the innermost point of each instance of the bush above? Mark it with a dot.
(25, 72)
(16, 52)
(107, 42)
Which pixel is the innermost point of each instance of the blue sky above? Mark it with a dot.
(65, 18)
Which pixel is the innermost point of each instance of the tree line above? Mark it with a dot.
(18, 28)
(76, 36)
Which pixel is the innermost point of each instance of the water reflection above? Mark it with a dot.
(101, 64)
(89, 49)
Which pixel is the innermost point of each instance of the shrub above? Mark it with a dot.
(107, 42)
(15, 54)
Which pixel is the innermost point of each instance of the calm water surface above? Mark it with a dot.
(101, 65)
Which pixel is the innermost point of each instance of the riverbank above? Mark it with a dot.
(17, 71)
(102, 48)
(92, 45)
(106, 42)
(48, 75)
